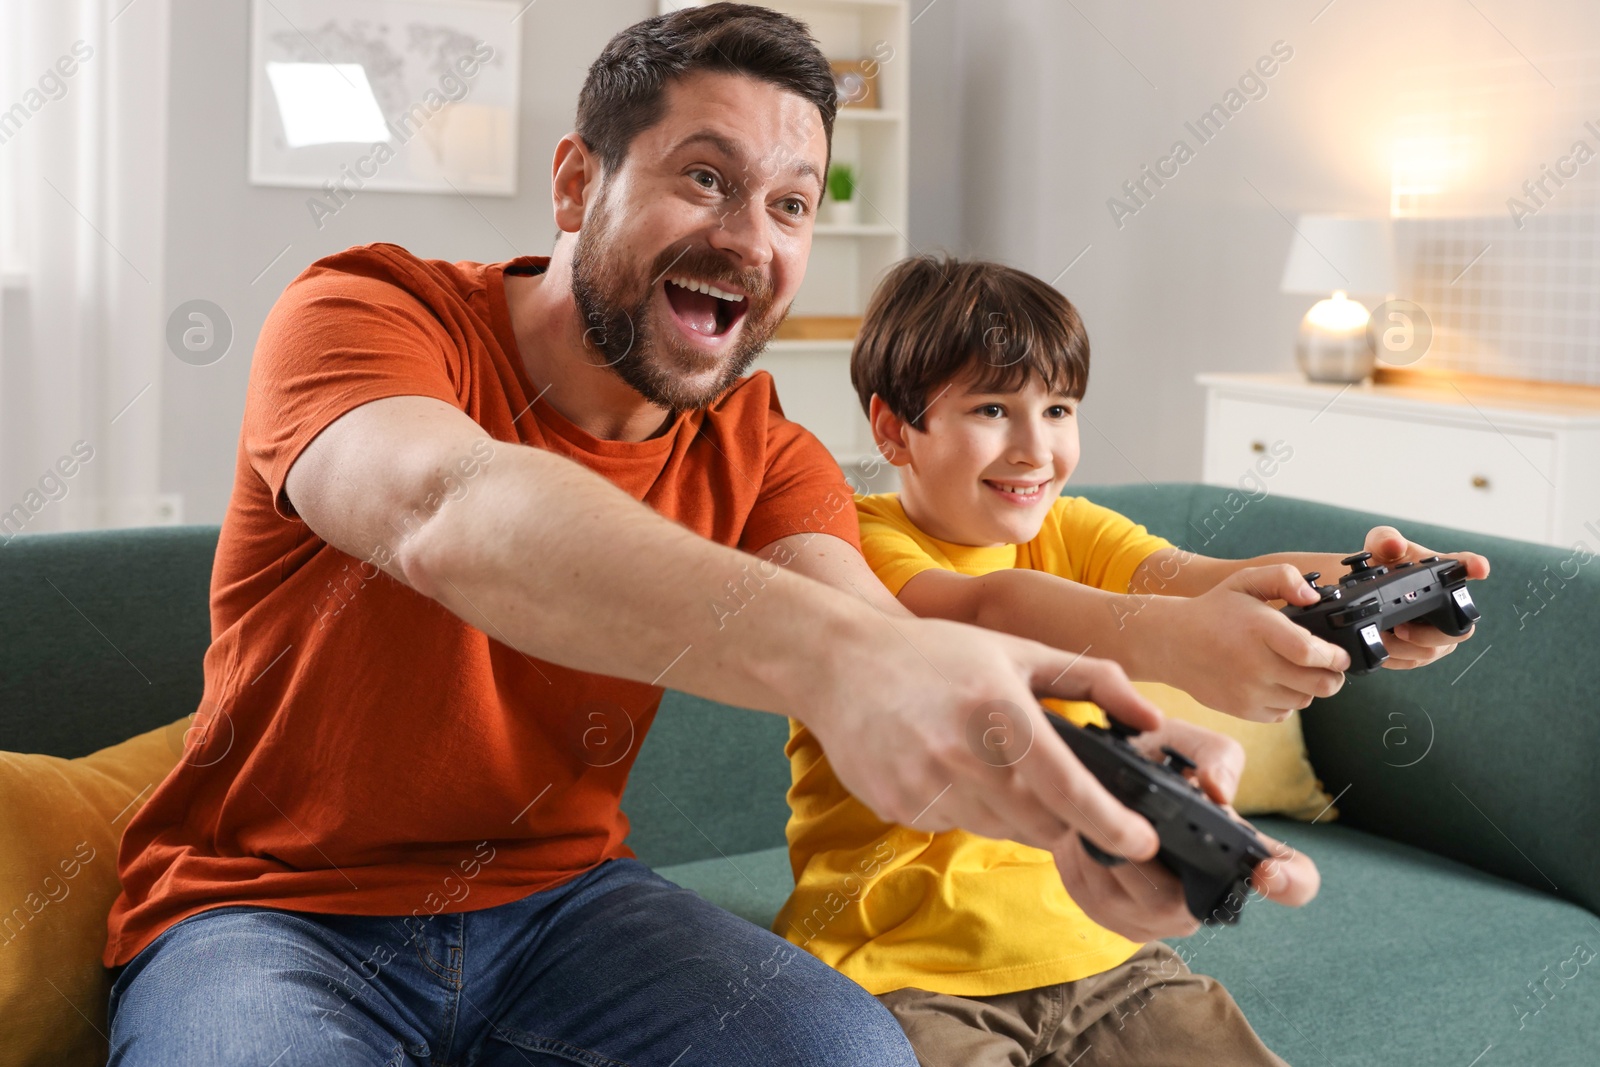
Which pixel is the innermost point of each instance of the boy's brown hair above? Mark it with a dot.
(934, 317)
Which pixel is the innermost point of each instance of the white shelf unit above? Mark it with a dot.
(1473, 460)
(847, 261)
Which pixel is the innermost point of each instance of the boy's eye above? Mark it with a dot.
(1060, 411)
(989, 411)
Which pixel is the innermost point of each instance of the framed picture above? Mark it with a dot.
(855, 81)
(410, 95)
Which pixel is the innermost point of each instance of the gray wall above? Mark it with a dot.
(1029, 114)
(223, 232)
(1026, 116)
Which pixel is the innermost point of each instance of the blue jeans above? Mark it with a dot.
(617, 967)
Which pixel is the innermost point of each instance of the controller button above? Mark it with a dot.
(1177, 760)
(1430, 559)
(1357, 562)
(1407, 563)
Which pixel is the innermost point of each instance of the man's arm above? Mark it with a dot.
(554, 561)
(1121, 898)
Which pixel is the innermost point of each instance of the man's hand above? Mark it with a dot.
(1232, 651)
(905, 734)
(1415, 644)
(1143, 901)
(903, 711)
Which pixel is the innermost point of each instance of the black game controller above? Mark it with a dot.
(1370, 600)
(1212, 853)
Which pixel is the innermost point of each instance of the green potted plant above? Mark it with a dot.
(840, 206)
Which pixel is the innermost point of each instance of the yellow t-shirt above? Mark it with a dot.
(950, 912)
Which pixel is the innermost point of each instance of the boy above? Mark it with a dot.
(971, 374)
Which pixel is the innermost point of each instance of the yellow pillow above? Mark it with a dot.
(1278, 779)
(63, 820)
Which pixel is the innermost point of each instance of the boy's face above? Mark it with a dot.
(987, 466)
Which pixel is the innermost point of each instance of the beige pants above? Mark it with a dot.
(1151, 1011)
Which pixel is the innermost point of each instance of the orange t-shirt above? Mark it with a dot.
(359, 749)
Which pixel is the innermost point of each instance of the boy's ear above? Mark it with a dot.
(888, 432)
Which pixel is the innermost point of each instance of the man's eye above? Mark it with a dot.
(794, 207)
(709, 180)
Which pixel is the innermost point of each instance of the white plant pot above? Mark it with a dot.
(841, 212)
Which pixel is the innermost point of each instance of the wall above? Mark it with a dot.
(225, 236)
(1046, 108)
(1027, 116)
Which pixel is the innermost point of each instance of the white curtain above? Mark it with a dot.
(83, 115)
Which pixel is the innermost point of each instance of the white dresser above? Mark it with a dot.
(1512, 460)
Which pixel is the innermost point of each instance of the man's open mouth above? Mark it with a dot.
(704, 308)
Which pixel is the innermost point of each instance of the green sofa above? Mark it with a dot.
(1456, 923)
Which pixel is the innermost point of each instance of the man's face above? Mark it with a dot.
(719, 195)
(987, 466)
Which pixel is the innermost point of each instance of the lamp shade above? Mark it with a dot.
(1332, 252)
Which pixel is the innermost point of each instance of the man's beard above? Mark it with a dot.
(614, 296)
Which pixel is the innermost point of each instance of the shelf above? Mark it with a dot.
(824, 348)
(1537, 408)
(867, 114)
(854, 229)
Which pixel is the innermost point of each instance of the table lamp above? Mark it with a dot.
(1338, 255)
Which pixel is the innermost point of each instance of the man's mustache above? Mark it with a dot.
(708, 265)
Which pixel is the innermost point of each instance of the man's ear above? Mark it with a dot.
(889, 432)
(574, 180)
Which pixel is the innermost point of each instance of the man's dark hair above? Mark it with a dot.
(624, 93)
(933, 318)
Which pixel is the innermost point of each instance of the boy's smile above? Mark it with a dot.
(987, 465)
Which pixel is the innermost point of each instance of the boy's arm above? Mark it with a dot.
(1138, 900)
(1223, 647)
(1174, 572)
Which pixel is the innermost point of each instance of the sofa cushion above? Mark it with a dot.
(1404, 957)
(752, 885)
(1407, 957)
(58, 876)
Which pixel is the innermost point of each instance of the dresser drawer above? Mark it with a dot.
(1439, 471)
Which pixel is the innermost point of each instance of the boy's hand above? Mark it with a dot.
(1232, 651)
(1134, 899)
(1414, 644)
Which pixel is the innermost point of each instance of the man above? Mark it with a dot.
(392, 838)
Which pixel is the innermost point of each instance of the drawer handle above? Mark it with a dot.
(1479, 482)
(1258, 446)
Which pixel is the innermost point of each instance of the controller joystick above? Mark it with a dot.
(1212, 853)
(1324, 592)
(1121, 730)
(1374, 600)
